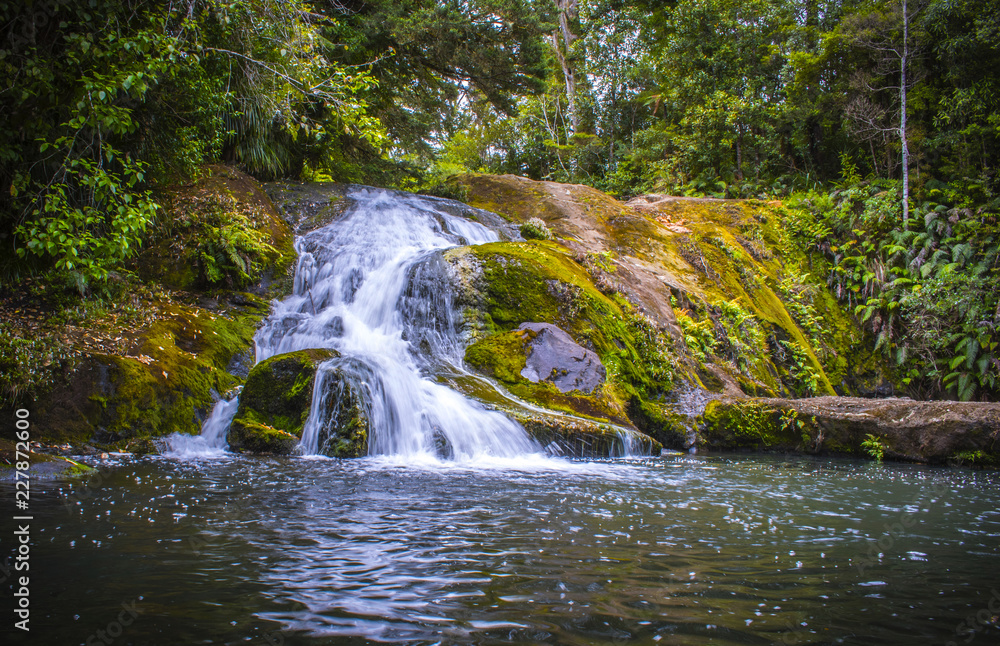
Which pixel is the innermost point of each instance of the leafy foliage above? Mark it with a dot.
(109, 98)
(926, 292)
(535, 229)
(28, 363)
(874, 447)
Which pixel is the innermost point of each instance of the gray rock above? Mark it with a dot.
(553, 356)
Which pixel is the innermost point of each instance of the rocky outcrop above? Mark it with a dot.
(165, 380)
(554, 357)
(717, 277)
(277, 401)
(902, 429)
(580, 438)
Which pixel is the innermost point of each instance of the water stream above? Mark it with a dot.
(368, 285)
(500, 544)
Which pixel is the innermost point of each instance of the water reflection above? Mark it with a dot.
(679, 550)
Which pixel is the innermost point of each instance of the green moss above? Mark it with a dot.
(220, 230)
(348, 433)
(179, 372)
(501, 356)
(578, 438)
(76, 468)
(711, 252)
(748, 424)
(975, 459)
(667, 427)
(540, 282)
(255, 437)
(278, 395)
(167, 384)
(278, 392)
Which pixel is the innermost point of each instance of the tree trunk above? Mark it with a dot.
(562, 40)
(739, 154)
(902, 115)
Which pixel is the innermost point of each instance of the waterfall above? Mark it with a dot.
(369, 285)
(212, 441)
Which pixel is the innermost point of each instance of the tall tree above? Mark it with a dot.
(433, 59)
(562, 41)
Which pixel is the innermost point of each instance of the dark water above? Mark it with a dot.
(674, 550)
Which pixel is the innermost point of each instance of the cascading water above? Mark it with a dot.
(212, 441)
(359, 290)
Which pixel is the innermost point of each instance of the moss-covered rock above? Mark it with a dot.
(157, 361)
(574, 437)
(748, 424)
(255, 437)
(662, 422)
(308, 205)
(278, 398)
(723, 267)
(276, 401)
(540, 281)
(167, 382)
(41, 465)
(220, 230)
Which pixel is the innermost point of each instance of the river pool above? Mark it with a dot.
(670, 550)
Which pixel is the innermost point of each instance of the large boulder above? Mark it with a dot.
(930, 431)
(553, 356)
(278, 397)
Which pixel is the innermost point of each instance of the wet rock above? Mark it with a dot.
(278, 398)
(581, 438)
(254, 437)
(343, 426)
(930, 431)
(240, 364)
(553, 356)
(275, 402)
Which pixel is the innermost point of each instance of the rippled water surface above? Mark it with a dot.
(673, 550)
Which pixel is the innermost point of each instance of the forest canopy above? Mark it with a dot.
(879, 120)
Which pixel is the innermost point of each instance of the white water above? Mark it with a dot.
(212, 441)
(360, 289)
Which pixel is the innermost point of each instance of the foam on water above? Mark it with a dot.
(211, 442)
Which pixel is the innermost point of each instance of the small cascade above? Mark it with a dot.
(370, 286)
(212, 440)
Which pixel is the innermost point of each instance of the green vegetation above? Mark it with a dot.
(278, 393)
(925, 289)
(108, 101)
(29, 363)
(874, 447)
(535, 229)
(879, 127)
(277, 399)
(750, 425)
